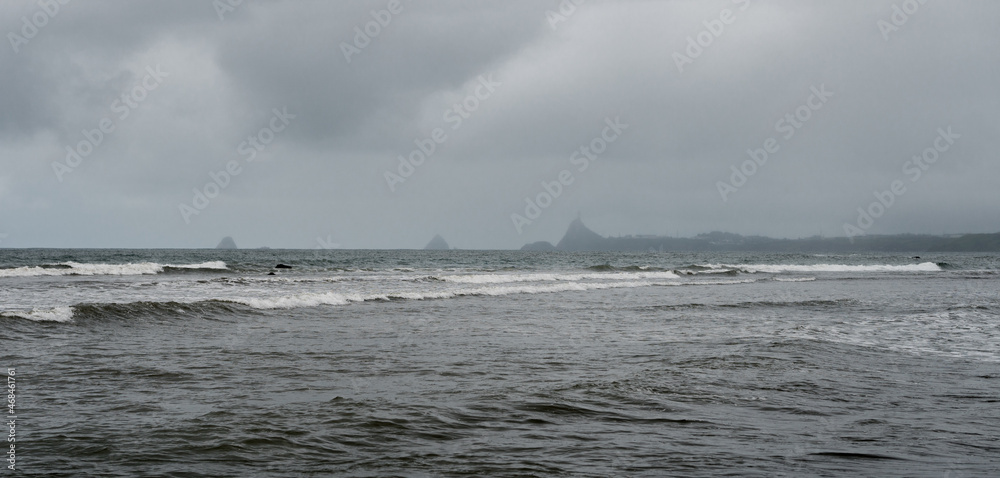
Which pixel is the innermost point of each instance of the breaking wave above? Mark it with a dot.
(553, 277)
(55, 314)
(609, 267)
(339, 298)
(209, 306)
(125, 311)
(129, 269)
(779, 268)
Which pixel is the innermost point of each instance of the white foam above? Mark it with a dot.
(548, 288)
(541, 277)
(57, 314)
(721, 282)
(334, 298)
(779, 268)
(795, 279)
(76, 268)
(219, 265)
(331, 298)
(298, 300)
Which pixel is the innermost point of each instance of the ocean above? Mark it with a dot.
(499, 363)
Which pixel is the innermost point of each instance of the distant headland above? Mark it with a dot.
(579, 237)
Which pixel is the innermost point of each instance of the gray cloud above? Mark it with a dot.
(324, 175)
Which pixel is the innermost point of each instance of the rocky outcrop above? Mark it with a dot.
(226, 243)
(437, 244)
(579, 238)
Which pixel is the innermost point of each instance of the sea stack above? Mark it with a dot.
(437, 244)
(580, 238)
(226, 243)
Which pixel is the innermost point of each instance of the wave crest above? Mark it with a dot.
(129, 269)
(780, 268)
(335, 298)
(55, 314)
(554, 277)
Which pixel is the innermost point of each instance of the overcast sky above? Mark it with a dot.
(179, 87)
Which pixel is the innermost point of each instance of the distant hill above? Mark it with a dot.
(437, 244)
(226, 243)
(540, 246)
(580, 238)
(970, 243)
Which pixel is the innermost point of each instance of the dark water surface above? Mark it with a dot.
(480, 363)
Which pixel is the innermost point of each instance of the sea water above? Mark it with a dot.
(501, 363)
